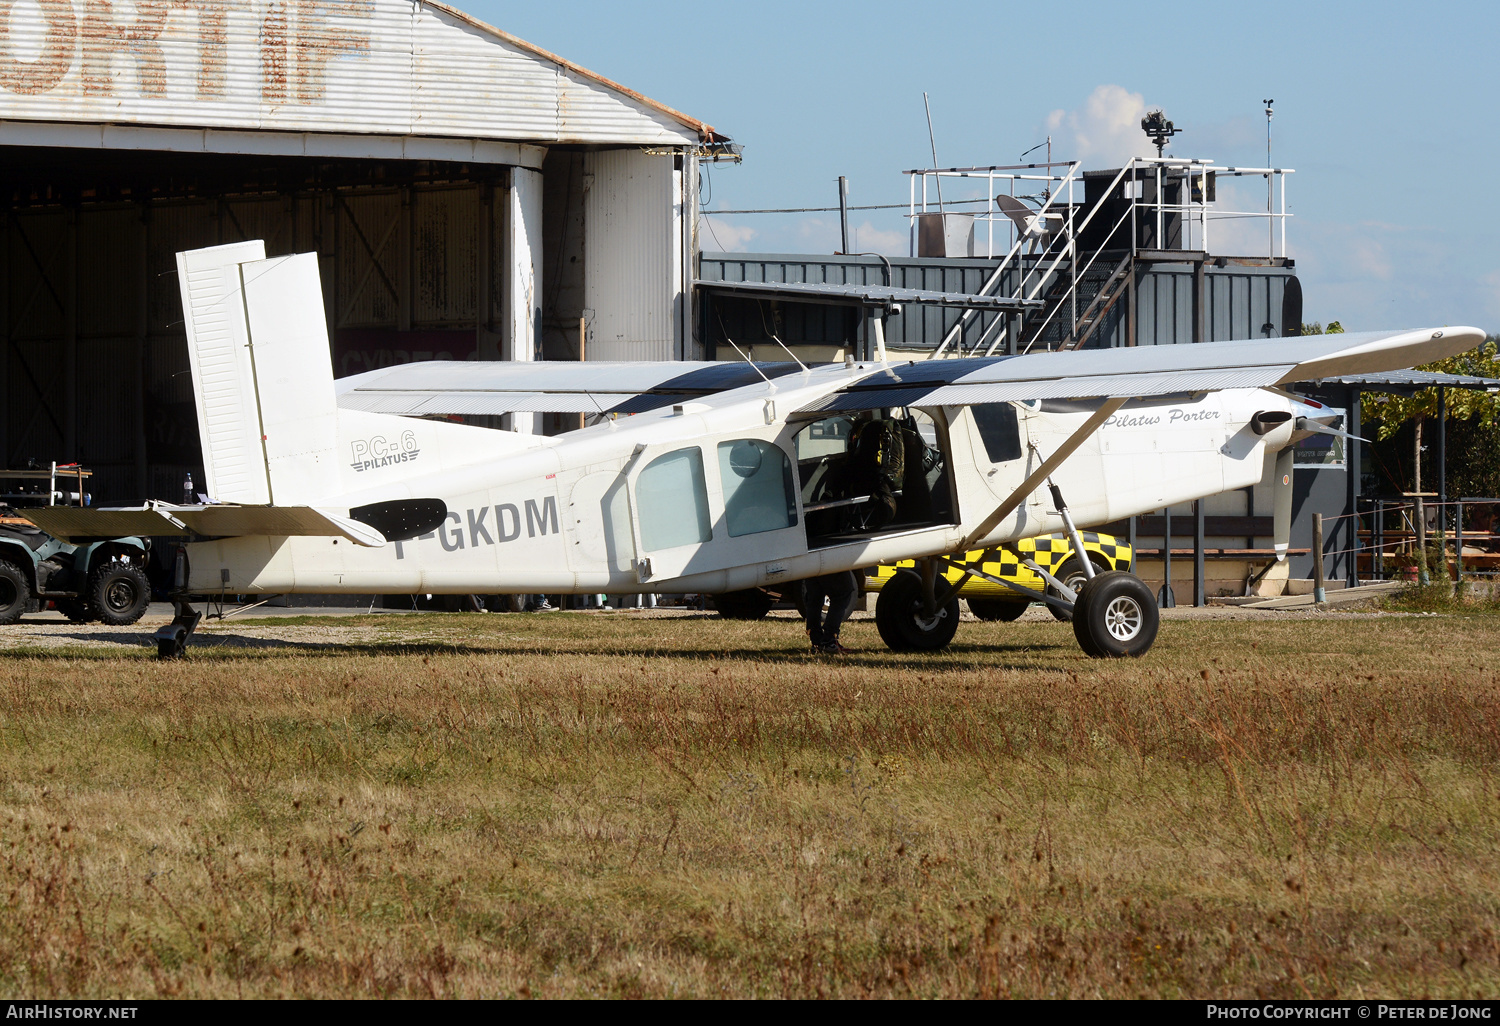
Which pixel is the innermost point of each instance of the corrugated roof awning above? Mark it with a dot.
(856, 294)
(1406, 382)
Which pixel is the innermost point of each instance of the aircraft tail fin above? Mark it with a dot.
(262, 374)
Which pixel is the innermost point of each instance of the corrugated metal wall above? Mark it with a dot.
(1241, 301)
(633, 240)
(95, 365)
(352, 67)
(805, 322)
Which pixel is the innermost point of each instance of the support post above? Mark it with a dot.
(1423, 577)
(70, 337)
(523, 295)
(1377, 565)
(1442, 461)
(1320, 596)
(1458, 549)
(1165, 598)
(583, 342)
(844, 213)
(5, 343)
(142, 345)
(1199, 598)
(1200, 306)
(1353, 459)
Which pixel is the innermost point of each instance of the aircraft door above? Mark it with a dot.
(726, 504)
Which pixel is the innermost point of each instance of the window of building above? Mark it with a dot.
(672, 501)
(757, 479)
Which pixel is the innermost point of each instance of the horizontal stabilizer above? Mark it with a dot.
(160, 519)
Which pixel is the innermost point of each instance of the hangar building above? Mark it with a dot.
(469, 195)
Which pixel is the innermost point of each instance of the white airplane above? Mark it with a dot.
(728, 476)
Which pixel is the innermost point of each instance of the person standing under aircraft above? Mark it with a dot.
(840, 590)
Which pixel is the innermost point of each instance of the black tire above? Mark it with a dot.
(1071, 573)
(15, 592)
(1116, 616)
(75, 609)
(118, 594)
(1002, 610)
(898, 616)
(750, 604)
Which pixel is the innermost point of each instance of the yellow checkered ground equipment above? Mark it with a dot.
(1050, 551)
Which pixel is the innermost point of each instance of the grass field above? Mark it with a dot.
(570, 805)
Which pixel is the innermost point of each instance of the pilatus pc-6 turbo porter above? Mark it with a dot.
(727, 476)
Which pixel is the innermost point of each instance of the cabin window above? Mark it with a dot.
(757, 480)
(999, 430)
(672, 501)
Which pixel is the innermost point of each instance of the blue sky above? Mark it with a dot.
(1388, 113)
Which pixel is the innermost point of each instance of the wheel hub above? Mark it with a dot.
(1123, 618)
(120, 596)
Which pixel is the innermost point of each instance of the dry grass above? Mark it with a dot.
(565, 805)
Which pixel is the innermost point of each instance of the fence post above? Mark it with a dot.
(1320, 596)
(1458, 549)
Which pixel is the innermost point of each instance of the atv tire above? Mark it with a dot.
(15, 592)
(118, 594)
(1002, 610)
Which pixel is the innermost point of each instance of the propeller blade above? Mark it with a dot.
(1281, 490)
(1308, 424)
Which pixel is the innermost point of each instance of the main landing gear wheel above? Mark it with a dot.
(118, 594)
(1070, 573)
(1115, 616)
(75, 609)
(750, 604)
(903, 627)
(15, 592)
(997, 609)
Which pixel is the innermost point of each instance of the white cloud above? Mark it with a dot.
(869, 239)
(1231, 233)
(1105, 132)
(730, 237)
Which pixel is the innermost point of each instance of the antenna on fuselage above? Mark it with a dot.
(762, 310)
(747, 359)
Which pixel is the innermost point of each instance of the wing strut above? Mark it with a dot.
(1043, 472)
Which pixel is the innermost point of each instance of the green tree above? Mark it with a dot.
(1481, 408)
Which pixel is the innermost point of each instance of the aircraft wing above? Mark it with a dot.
(76, 523)
(443, 387)
(1147, 370)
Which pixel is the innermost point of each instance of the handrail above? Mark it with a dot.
(1076, 276)
(1004, 264)
(1039, 269)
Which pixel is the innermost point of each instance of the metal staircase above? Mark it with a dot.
(1080, 287)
